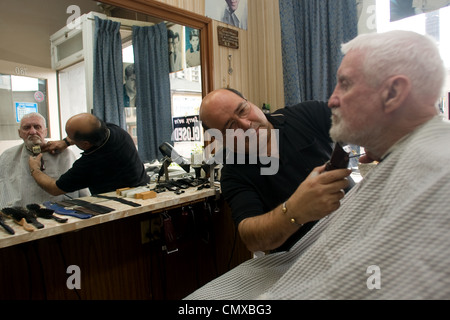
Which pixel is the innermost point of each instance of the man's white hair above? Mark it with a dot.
(30, 115)
(402, 52)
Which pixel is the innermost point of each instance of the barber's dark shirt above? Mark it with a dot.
(304, 144)
(114, 165)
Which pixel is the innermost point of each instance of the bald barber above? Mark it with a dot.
(110, 160)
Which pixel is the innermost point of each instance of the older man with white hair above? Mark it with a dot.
(17, 186)
(390, 237)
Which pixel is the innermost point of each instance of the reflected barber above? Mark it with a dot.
(110, 160)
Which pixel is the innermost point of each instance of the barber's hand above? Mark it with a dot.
(35, 162)
(318, 195)
(54, 147)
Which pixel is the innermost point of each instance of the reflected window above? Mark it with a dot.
(185, 84)
(425, 17)
(20, 95)
(72, 91)
(432, 22)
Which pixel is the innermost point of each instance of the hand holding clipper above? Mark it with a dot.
(37, 150)
(339, 159)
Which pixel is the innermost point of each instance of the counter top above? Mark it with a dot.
(163, 200)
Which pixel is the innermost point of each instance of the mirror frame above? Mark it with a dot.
(176, 15)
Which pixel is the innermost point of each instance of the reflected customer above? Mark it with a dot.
(17, 186)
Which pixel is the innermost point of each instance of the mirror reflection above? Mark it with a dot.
(65, 32)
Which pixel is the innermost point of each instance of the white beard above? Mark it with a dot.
(33, 141)
(341, 132)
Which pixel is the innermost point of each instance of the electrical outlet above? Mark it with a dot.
(145, 231)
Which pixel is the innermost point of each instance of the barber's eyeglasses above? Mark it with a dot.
(242, 112)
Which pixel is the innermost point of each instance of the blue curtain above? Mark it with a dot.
(108, 72)
(153, 100)
(312, 32)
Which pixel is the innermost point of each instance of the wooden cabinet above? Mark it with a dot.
(115, 264)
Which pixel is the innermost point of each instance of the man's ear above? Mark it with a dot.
(85, 145)
(396, 90)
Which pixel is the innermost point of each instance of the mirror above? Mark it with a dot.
(165, 12)
(33, 25)
(186, 81)
(187, 135)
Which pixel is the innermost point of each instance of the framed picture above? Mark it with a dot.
(175, 37)
(232, 12)
(192, 43)
(129, 85)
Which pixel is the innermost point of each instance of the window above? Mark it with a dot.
(386, 15)
(186, 91)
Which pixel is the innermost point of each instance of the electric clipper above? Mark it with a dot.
(37, 150)
(339, 159)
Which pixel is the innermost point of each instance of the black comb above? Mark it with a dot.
(5, 226)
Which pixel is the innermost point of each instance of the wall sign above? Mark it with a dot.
(39, 96)
(228, 37)
(22, 108)
(186, 129)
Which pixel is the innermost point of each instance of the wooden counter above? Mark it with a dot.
(162, 201)
(114, 261)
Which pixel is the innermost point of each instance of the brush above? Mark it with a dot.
(29, 217)
(18, 215)
(44, 213)
(5, 226)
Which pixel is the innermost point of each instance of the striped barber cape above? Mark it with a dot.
(390, 239)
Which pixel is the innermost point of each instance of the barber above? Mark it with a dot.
(110, 160)
(273, 211)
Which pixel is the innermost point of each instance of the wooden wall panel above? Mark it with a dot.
(196, 6)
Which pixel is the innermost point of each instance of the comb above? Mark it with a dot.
(5, 226)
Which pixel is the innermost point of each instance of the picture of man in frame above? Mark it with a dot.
(232, 12)
(175, 52)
